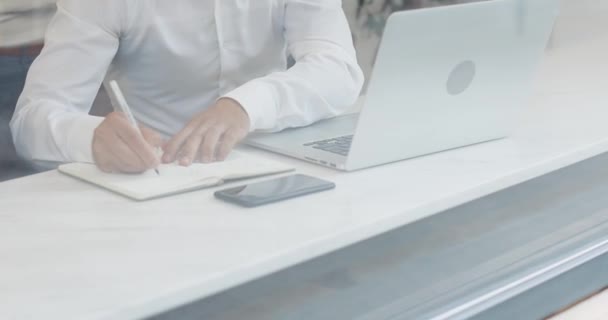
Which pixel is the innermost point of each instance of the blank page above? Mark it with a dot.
(173, 178)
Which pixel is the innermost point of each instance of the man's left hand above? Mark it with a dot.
(210, 136)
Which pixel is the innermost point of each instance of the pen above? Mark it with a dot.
(120, 104)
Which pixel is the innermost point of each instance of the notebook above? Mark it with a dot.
(175, 179)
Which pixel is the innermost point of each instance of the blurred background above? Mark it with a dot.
(580, 22)
(367, 19)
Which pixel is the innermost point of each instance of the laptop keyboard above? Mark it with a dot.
(339, 145)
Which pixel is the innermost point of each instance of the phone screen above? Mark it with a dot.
(274, 190)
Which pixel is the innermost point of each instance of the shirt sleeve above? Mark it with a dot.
(325, 79)
(51, 121)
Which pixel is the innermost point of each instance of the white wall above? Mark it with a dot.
(581, 21)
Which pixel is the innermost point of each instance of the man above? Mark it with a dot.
(202, 73)
(22, 27)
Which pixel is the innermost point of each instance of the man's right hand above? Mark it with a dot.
(119, 147)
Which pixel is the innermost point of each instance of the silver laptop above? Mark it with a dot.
(444, 78)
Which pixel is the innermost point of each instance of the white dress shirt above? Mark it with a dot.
(173, 59)
(24, 21)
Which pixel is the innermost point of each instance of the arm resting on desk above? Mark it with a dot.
(325, 80)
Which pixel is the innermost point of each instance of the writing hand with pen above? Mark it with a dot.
(210, 136)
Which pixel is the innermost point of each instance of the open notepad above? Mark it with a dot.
(174, 179)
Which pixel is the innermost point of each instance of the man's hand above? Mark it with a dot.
(210, 136)
(119, 147)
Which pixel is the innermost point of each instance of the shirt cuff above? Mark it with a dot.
(80, 139)
(259, 102)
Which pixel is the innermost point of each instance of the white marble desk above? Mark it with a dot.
(71, 251)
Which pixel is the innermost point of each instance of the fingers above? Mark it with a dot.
(207, 149)
(211, 135)
(218, 143)
(113, 155)
(152, 137)
(229, 141)
(120, 147)
(131, 159)
(134, 139)
(204, 145)
(126, 160)
(175, 144)
(187, 154)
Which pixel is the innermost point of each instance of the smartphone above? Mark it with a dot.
(257, 194)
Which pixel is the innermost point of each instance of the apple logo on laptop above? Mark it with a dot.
(461, 77)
